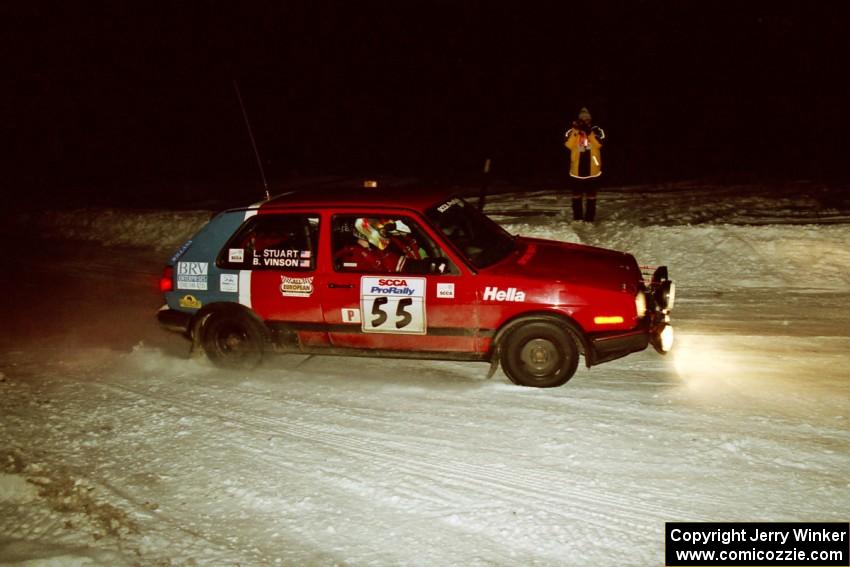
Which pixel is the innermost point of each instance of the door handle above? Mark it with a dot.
(340, 285)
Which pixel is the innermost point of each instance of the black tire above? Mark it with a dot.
(232, 339)
(539, 355)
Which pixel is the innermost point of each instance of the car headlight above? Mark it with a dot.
(640, 303)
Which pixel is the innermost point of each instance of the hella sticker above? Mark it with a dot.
(510, 294)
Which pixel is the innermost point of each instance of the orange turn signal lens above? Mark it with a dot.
(608, 320)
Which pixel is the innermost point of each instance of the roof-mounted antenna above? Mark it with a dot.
(253, 142)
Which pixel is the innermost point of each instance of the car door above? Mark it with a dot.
(276, 255)
(406, 293)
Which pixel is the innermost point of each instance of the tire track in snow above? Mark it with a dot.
(600, 406)
(272, 459)
(51, 523)
(545, 489)
(456, 487)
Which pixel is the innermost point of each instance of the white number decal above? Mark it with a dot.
(393, 305)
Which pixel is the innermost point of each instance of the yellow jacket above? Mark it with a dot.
(585, 152)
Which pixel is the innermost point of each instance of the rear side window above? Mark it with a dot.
(273, 242)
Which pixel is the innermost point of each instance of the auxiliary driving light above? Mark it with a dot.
(665, 294)
(640, 304)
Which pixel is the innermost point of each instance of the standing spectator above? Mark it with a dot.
(584, 141)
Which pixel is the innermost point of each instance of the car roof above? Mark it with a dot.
(415, 197)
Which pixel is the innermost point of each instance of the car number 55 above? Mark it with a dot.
(393, 305)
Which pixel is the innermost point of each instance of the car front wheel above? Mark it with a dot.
(540, 355)
(233, 340)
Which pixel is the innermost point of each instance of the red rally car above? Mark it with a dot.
(373, 272)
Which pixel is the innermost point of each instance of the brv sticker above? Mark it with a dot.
(192, 275)
(393, 305)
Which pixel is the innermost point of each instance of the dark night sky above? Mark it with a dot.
(118, 97)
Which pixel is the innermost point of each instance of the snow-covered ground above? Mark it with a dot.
(117, 448)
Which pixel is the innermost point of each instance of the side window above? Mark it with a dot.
(394, 244)
(273, 242)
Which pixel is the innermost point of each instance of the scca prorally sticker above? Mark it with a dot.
(446, 290)
(275, 258)
(393, 304)
(236, 255)
(296, 287)
(229, 282)
(350, 315)
(192, 275)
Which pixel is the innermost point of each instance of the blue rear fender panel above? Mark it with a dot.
(195, 272)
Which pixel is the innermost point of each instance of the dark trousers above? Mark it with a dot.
(584, 197)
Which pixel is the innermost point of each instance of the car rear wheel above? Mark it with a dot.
(233, 340)
(540, 355)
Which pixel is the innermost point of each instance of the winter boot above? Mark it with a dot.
(577, 208)
(590, 212)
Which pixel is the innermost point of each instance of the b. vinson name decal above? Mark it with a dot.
(281, 258)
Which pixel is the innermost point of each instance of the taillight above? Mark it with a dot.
(166, 282)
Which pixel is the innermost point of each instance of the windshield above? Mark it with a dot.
(480, 239)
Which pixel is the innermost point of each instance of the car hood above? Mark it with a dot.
(575, 264)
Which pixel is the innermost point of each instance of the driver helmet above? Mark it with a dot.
(371, 232)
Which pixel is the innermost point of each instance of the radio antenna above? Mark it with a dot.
(253, 142)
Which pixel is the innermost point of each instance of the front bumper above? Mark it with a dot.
(612, 346)
(655, 329)
(173, 320)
